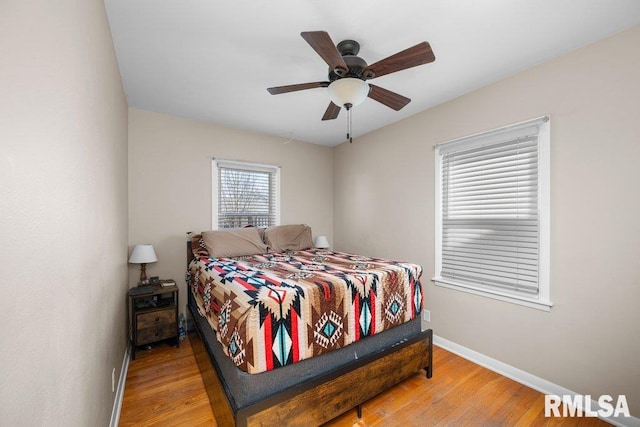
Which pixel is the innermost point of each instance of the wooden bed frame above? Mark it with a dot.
(322, 398)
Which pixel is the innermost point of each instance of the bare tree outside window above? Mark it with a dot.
(245, 197)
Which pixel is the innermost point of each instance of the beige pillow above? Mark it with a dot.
(233, 242)
(283, 238)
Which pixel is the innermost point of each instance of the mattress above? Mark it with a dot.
(277, 309)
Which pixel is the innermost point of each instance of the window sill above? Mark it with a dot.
(538, 304)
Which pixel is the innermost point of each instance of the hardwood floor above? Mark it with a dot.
(164, 388)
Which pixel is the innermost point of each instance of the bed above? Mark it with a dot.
(295, 362)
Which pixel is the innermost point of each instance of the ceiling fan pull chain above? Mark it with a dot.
(348, 107)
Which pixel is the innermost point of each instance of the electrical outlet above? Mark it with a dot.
(113, 380)
(426, 315)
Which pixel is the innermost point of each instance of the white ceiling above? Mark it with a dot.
(213, 60)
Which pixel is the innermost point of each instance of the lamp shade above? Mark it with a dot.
(322, 242)
(348, 90)
(142, 254)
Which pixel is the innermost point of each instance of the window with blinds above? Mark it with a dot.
(245, 194)
(490, 196)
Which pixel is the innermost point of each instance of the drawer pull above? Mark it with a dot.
(157, 319)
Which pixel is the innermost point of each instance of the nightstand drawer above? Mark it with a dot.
(157, 333)
(157, 318)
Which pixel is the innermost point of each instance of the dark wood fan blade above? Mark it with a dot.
(324, 46)
(388, 98)
(332, 112)
(292, 88)
(417, 55)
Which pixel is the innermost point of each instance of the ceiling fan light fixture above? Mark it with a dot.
(348, 90)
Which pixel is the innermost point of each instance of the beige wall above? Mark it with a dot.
(590, 340)
(170, 183)
(63, 214)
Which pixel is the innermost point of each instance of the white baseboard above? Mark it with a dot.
(117, 404)
(525, 378)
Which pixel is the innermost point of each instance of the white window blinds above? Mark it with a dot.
(245, 194)
(489, 210)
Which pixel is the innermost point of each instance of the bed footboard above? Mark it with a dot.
(324, 397)
(334, 394)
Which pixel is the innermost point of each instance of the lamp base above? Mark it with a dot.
(143, 275)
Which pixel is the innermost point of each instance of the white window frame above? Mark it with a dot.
(259, 167)
(543, 299)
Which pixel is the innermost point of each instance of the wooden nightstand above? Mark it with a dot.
(153, 316)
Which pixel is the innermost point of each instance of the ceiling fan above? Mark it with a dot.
(348, 73)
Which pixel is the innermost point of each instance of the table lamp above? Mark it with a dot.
(143, 254)
(321, 242)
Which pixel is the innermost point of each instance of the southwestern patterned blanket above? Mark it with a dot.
(275, 309)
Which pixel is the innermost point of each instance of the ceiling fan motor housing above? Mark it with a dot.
(349, 50)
